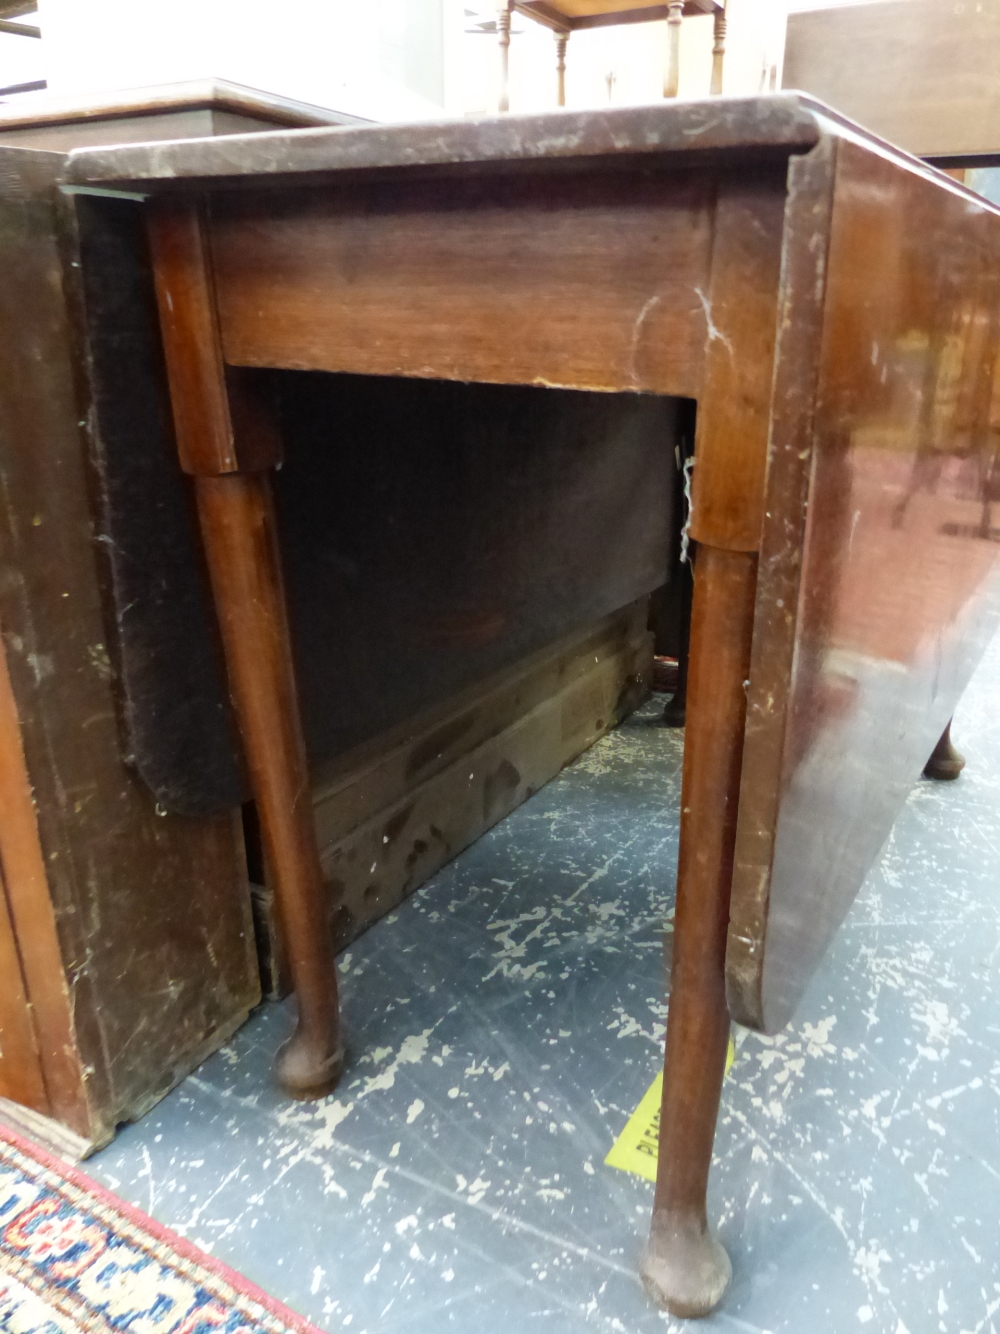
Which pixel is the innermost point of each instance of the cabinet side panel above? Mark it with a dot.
(151, 911)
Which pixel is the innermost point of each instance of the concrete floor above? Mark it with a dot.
(506, 1021)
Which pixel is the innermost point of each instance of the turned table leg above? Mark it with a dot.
(945, 762)
(718, 51)
(672, 74)
(684, 1268)
(562, 41)
(503, 37)
(228, 440)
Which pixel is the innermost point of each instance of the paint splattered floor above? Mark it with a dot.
(506, 1021)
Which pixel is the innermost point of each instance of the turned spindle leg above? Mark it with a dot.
(503, 37)
(562, 41)
(228, 441)
(672, 79)
(945, 763)
(718, 51)
(684, 1268)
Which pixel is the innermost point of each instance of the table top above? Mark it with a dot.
(569, 15)
(687, 129)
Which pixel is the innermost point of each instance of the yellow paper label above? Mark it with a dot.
(637, 1147)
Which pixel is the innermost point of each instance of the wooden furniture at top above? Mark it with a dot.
(832, 306)
(191, 110)
(564, 17)
(919, 73)
(13, 10)
(126, 945)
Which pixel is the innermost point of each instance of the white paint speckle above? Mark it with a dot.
(378, 1183)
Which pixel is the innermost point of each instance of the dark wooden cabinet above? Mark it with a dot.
(126, 941)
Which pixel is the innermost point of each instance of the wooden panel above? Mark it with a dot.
(899, 590)
(37, 974)
(921, 73)
(485, 280)
(20, 1068)
(383, 771)
(797, 355)
(404, 803)
(408, 841)
(741, 313)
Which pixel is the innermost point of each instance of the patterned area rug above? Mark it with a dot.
(74, 1258)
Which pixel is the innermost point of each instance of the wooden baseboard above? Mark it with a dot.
(402, 806)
